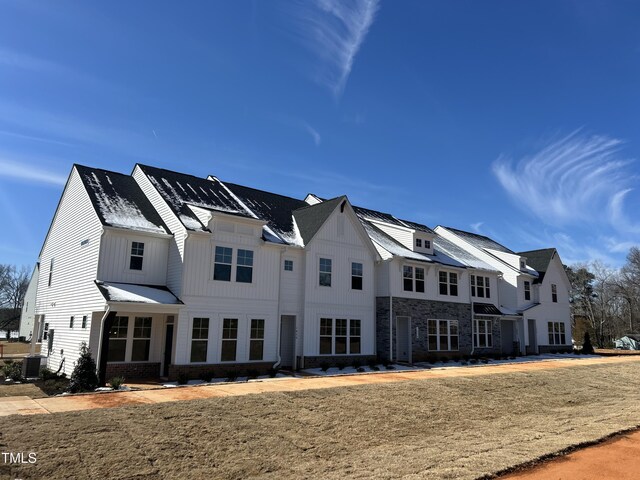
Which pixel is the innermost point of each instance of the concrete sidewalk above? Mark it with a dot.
(71, 403)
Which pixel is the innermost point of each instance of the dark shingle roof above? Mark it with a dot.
(180, 190)
(311, 217)
(119, 201)
(485, 309)
(276, 210)
(418, 226)
(539, 260)
(368, 214)
(442, 244)
(480, 241)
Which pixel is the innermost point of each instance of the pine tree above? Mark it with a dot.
(587, 348)
(84, 377)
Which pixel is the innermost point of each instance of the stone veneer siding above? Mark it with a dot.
(420, 311)
(219, 370)
(131, 370)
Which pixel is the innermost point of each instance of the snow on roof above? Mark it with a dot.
(133, 293)
(119, 201)
(180, 190)
(454, 251)
(480, 241)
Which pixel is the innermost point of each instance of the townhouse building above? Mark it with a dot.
(164, 273)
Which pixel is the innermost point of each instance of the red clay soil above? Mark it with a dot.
(617, 458)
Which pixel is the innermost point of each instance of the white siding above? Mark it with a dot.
(403, 235)
(176, 245)
(115, 254)
(343, 243)
(27, 317)
(72, 291)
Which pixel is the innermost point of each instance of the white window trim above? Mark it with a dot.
(234, 264)
(488, 333)
(413, 279)
(333, 271)
(437, 335)
(248, 337)
(458, 283)
(333, 336)
(190, 337)
(351, 262)
(561, 331)
(127, 267)
(473, 281)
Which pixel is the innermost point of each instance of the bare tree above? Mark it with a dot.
(13, 286)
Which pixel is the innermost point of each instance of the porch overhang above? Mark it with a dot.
(486, 309)
(139, 298)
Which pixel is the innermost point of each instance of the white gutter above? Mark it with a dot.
(390, 327)
(279, 319)
(104, 318)
(473, 339)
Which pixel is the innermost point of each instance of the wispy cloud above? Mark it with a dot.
(30, 173)
(475, 227)
(334, 31)
(314, 133)
(579, 178)
(33, 138)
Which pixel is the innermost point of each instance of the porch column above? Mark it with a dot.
(104, 348)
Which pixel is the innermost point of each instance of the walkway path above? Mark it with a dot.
(70, 403)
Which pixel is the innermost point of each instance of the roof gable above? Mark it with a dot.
(310, 218)
(119, 201)
(539, 260)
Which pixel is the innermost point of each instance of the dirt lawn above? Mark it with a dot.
(441, 428)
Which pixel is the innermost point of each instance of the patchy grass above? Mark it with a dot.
(441, 428)
(21, 389)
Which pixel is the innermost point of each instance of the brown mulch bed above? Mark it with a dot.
(441, 428)
(614, 352)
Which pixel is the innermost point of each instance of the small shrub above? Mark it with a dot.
(372, 363)
(116, 382)
(385, 362)
(360, 369)
(273, 372)
(512, 357)
(231, 375)
(444, 359)
(47, 374)
(484, 360)
(577, 352)
(84, 377)
(324, 366)
(375, 368)
(253, 373)
(183, 378)
(390, 367)
(207, 375)
(341, 365)
(473, 361)
(357, 363)
(456, 358)
(466, 357)
(587, 348)
(464, 364)
(12, 370)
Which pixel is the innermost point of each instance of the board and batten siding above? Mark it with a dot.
(115, 255)
(176, 245)
(27, 317)
(343, 243)
(74, 242)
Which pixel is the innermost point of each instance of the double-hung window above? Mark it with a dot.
(448, 283)
(480, 287)
(413, 279)
(443, 335)
(556, 333)
(256, 341)
(356, 276)
(137, 255)
(527, 290)
(141, 339)
(340, 336)
(118, 339)
(419, 242)
(222, 264)
(229, 340)
(482, 335)
(199, 339)
(84, 321)
(554, 293)
(325, 272)
(71, 322)
(288, 265)
(244, 267)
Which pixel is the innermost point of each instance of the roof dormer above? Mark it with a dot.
(423, 243)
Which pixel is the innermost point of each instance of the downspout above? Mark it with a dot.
(390, 327)
(104, 318)
(279, 319)
(473, 321)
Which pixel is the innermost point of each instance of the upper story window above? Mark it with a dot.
(527, 290)
(244, 268)
(413, 281)
(84, 321)
(288, 265)
(480, 287)
(554, 293)
(356, 276)
(419, 242)
(222, 265)
(427, 244)
(71, 322)
(448, 283)
(137, 253)
(50, 271)
(523, 264)
(325, 272)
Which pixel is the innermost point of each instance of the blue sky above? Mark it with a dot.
(517, 120)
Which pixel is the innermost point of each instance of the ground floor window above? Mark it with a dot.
(482, 335)
(118, 339)
(556, 333)
(340, 336)
(443, 335)
(141, 339)
(256, 341)
(199, 339)
(229, 340)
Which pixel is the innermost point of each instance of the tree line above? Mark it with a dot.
(605, 301)
(13, 286)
